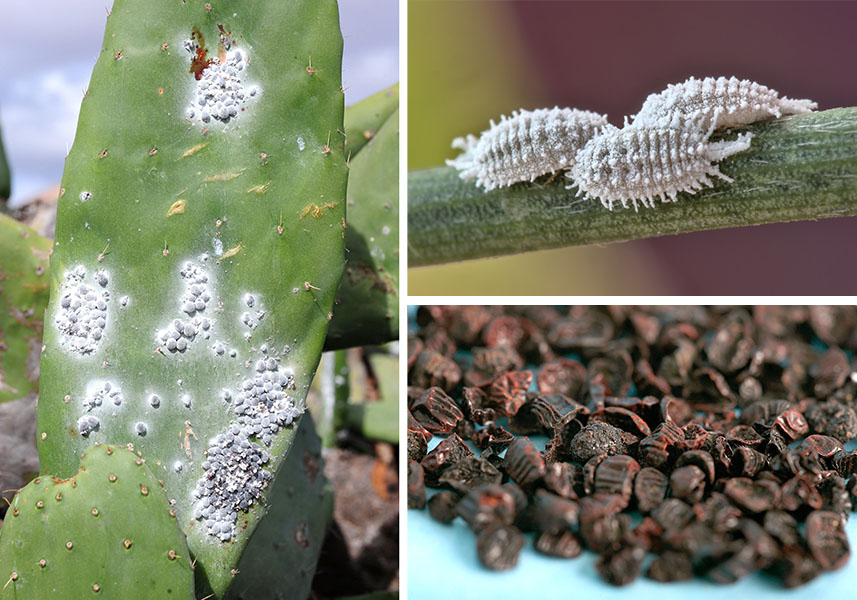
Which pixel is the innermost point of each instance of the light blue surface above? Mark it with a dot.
(442, 565)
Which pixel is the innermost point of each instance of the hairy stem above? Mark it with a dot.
(802, 167)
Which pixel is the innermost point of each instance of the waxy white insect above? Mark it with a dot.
(525, 146)
(637, 164)
(727, 102)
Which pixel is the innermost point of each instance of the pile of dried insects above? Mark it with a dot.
(682, 441)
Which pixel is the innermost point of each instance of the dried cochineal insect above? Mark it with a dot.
(728, 484)
(525, 146)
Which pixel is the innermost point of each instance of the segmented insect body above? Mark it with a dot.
(526, 145)
(638, 164)
(727, 102)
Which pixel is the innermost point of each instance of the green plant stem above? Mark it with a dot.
(802, 167)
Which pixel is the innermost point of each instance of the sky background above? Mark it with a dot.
(48, 49)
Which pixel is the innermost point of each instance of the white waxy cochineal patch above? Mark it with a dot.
(233, 481)
(525, 146)
(82, 315)
(639, 164)
(180, 333)
(220, 93)
(726, 102)
(263, 405)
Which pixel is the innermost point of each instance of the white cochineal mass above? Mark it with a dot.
(263, 406)
(82, 315)
(525, 146)
(233, 481)
(220, 93)
(725, 102)
(663, 151)
(180, 333)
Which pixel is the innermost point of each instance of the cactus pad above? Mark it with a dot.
(106, 532)
(199, 245)
(23, 298)
(5, 176)
(368, 298)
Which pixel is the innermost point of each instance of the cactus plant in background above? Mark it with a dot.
(5, 176)
(367, 306)
(198, 249)
(23, 271)
(365, 118)
(106, 532)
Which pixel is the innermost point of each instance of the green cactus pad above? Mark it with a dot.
(364, 119)
(379, 419)
(5, 176)
(23, 299)
(195, 258)
(367, 306)
(289, 542)
(107, 532)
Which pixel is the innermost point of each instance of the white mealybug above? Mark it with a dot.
(526, 145)
(729, 102)
(638, 164)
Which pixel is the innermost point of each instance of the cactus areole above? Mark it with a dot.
(198, 249)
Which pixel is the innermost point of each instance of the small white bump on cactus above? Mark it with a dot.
(83, 311)
(251, 319)
(87, 424)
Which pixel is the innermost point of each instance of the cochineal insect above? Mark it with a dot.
(638, 164)
(525, 146)
(727, 101)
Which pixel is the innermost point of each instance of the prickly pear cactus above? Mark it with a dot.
(106, 532)
(23, 298)
(364, 119)
(289, 543)
(5, 176)
(198, 248)
(367, 305)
